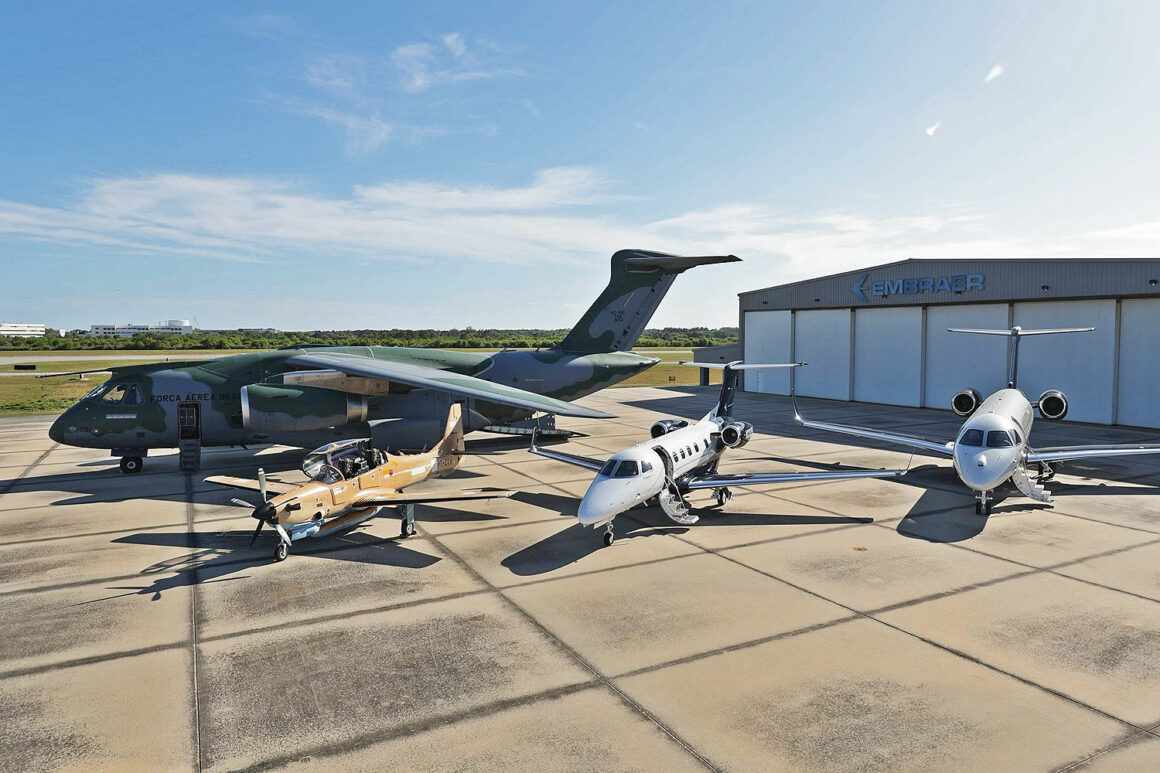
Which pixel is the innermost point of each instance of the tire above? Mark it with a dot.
(609, 538)
(281, 550)
(131, 465)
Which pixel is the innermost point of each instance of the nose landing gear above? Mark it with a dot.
(609, 534)
(723, 496)
(983, 504)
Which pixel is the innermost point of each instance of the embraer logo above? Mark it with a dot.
(950, 283)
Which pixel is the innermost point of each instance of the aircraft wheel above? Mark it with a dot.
(407, 529)
(609, 537)
(131, 464)
(723, 496)
(281, 550)
(987, 509)
(978, 507)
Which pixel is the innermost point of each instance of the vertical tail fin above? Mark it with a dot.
(636, 287)
(451, 447)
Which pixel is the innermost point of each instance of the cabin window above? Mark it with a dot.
(608, 467)
(627, 469)
(696, 448)
(998, 438)
(646, 467)
(972, 437)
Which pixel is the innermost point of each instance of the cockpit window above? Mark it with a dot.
(645, 467)
(972, 437)
(998, 438)
(96, 392)
(124, 394)
(627, 469)
(608, 467)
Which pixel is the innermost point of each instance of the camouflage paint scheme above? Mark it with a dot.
(320, 508)
(593, 356)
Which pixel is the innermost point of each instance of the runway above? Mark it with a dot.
(865, 625)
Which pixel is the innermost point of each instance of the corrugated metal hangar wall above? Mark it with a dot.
(903, 355)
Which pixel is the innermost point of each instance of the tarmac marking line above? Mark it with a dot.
(926, 640)
(194, 650)
(13, 482)
(1128, 739)
(583, 662)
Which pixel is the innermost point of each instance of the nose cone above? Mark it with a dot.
(56, 431)
(984, 470)
(604, 500)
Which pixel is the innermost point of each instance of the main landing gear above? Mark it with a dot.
(1046, 473)
(723, 496)
(407, 525)
(609, 534)
(983, 504)
(131, 465)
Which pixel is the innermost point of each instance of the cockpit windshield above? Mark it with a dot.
(608, 467)
(998, 438)
(120, 394)
(972, 437)
(627, 469)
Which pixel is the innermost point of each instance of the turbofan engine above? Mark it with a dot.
(665, 426)
(277, 408)
(735, 434)
(965, 402)
(1052, 405)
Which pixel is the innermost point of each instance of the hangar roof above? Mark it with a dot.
(921, 282)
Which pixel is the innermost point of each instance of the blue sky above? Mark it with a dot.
(394, 165)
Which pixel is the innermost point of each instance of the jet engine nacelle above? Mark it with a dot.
(1052, 405)
(268, 408)
(665, 426)
(965, 402)
(735, 434)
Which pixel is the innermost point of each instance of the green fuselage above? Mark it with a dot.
(139, 407)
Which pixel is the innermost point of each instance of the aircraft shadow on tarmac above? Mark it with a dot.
(218, 556)
(570, 545)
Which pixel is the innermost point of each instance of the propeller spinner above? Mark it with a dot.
(263, 512)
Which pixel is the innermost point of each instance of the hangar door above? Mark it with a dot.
(957, 361)
(888, 355)
(1139, 366)
(767, 339)
(822, 339)
(1081, 364)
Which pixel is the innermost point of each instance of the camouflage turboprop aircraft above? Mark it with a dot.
(396, 396)
(351, 482)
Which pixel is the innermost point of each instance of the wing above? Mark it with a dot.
(1067, 453)
(246, 484)
(586, 462)
(444, 381)
(466, 495)
(946, 449)
(755, 478)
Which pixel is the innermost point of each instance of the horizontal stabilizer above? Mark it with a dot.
(744, 365)
(1018, 332)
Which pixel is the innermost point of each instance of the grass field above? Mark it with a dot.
(28, 394)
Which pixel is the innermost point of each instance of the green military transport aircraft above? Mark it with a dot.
(397, 396)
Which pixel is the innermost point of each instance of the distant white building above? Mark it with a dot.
(21, 330)
(168, 327)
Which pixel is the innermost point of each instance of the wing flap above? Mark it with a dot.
(1068, 453)
(756, 478)
(419, 498)
(445, 381)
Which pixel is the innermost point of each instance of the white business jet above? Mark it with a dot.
(993, 446)
(681, 457)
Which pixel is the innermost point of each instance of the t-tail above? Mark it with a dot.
(730, 377)
(638, 283)
(1016, 334)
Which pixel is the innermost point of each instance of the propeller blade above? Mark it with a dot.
(242, 503)
(254, 538)
(262, 484)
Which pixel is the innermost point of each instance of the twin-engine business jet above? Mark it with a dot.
(679, 458)
(351, 482)
(993, 446)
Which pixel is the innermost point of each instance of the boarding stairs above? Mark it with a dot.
(1030, 488)
(189, 455)
(674, 505)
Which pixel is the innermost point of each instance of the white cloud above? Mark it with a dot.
(933, 128)
(995, 71)
(563, 215)
(364, 133)
(422, 65)
(455, 44)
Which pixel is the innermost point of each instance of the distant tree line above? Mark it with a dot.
(467, 338)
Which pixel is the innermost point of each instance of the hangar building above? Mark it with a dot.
(880, 335)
